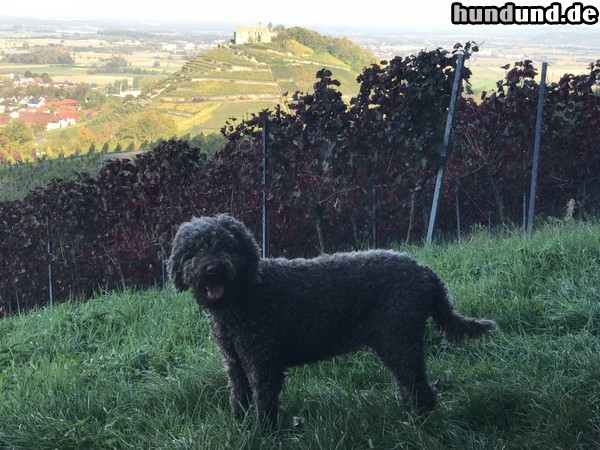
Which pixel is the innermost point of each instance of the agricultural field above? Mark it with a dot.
(487, 69)
(141, 57)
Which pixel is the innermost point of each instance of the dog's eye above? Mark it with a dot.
(230, 247)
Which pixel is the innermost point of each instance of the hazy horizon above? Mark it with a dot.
(426, 15)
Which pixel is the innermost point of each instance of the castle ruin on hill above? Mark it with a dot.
(253, 35)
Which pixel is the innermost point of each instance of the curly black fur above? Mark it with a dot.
(270, 314)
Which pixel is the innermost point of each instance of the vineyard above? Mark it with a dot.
(19, 179)
(211, 88)
(336, 172)
(255, 75)
(121, 111)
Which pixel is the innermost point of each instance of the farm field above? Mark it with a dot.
(84, 62)
(139, 370)
(79, 72)
(487, 70)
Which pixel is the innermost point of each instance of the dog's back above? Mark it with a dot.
(312, 309)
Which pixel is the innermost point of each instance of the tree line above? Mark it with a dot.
(41, 55)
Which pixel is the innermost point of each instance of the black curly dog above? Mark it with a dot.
(270, 314)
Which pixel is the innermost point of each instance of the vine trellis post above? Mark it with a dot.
(49, 249)
(536, 148)
(445, 148)
(265, 212)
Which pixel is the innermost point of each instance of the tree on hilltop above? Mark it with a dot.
(341, 48)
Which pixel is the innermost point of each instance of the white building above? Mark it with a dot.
(62, 123)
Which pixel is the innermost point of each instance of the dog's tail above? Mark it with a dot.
(454, 326)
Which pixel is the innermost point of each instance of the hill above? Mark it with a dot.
(137, 370)
(234, 80)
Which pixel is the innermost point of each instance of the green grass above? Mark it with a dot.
(138, 370)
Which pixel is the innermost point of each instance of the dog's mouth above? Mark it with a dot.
(215, 292)
(215, 278)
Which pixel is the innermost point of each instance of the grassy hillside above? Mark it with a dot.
(235, 80)
(138, 370)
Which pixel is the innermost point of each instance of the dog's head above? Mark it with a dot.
(213, 256)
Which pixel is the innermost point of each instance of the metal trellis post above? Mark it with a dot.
(446, 148)
(49, 248)
(374, 215)
(536, 149)
(265, 216)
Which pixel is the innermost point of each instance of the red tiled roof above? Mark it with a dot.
(66, 115)
(63, 103)
(36, 118)
(67, 108)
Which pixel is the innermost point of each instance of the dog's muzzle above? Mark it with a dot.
(214, 282)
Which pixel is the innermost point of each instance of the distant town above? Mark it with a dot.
(39, 113)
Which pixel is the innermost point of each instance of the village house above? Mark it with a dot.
(62, 123)
(34, 117)
(64, 106)
(169, 47)
(33, 102)
(50, 116)
(62, 84)
(126, 93)
(24, 81)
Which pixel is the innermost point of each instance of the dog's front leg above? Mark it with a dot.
(240, 393)
(267, 385)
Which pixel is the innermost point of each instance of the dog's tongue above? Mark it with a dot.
(215, 292)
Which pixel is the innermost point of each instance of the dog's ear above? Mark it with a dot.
(253, 271)
(180, 253)
(250, 248)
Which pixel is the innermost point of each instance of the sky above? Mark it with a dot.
(244, 12)
(425, 14)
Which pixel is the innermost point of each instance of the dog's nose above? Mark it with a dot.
(213, 270)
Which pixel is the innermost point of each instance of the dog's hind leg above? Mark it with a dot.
(404, 356)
